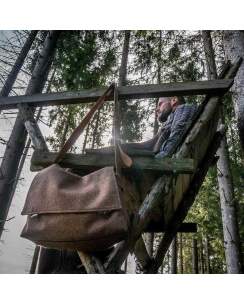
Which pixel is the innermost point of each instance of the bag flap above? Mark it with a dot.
(55, 190)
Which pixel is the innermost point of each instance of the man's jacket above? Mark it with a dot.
(173, 129)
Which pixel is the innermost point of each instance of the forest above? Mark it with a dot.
(34, 62)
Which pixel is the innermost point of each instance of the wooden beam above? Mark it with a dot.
(159, 227)
(92, 162)
(213, 87)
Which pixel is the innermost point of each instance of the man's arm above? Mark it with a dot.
(182, 120)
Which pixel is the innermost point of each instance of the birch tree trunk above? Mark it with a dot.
(229, 212)
(225, 182)
(16, 143)
(234, 47)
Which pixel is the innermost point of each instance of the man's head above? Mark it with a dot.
(166, 105)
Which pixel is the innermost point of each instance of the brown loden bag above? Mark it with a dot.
(65, 210)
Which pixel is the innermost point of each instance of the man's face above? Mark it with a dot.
(163, 110)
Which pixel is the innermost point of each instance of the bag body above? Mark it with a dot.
(65, 210)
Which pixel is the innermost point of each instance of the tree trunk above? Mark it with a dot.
(194, 256)
(18, 64)
(94, 136)
(122, 82)
(18, 136)
(65, 130)
(150, 236)
(159, 66)
(37, 247)
(225, 182)
(122, 106)
(209, 55)
(168, 261)
(234, 47)
(173, 267)
(229, 212)
(86, 137)
(181, 255)
(124, 60)
(207, 255)
(201, 257)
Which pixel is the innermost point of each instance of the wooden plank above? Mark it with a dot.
(159, 227)
(90, 163)
(213, 87)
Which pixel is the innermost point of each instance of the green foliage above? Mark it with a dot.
(85, 59)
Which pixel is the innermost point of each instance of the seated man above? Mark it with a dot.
(175, 116)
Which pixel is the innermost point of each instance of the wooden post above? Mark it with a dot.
(174, 247)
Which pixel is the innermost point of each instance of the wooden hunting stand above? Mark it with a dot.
(167, 188)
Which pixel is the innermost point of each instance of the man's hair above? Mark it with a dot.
(181, 99)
